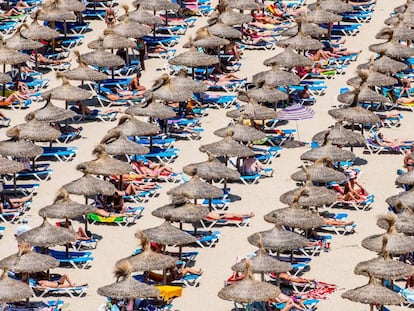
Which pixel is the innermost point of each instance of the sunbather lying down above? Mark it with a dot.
(41, 59)
(405, 100)
(84, 110)
(151, 169)
(290, 303)
(390, 142)
(63, 282)
(215, 215)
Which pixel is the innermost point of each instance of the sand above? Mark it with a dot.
(335, 266)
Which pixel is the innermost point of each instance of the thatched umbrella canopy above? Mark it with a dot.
(278, 239)
(241, 132)
(397, 243)
(371, 78)
(156, 5)
(400, 19)
(401, 32)
(37, 31)
(5, 78)
(364, 94)
(112, 41)
(83, 72)
(308, 29)
(384, 64)
(130, 29)
(18, 42)
(126, 287)
(10, 56)
(104, 164)
(334, 6)
(252, 111)
(167, 234)
(224, 31)
(354, 115)
(180, 81)
(9, 166)
(263, 263)
(288, 59)
(67, 91)
(181, 210)
(101, 58)
(29, 262)
(211, 169)
(249, 290)
(131, 126)
(246, 5)
(338, 135)
(320, 173)
(12, 290)
(276, 77)
(64, 207)
(229, 17)
(34, 130)
(407, 7)
(117, 143)
(392, 48)
(47, 235)
(196, 189)
(149, 260)
(228, 147)
(328, 151)
(300, 42)
(151, 109)
(406, 197)
(321, 16)
(384, 267)
(374, 294)
(294, 216)
(53, 13)
(205, 39)
(406, 179)
(163, 89)
(405, 220)
(263, 94)
(309, 195)
(89, 185)
(20, 148)
(51, 113)
(143, 17)
(71, 5)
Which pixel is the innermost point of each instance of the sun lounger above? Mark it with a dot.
(62, 154)
(122, 221)
(173, 30)
(219, 102)
(10, 217)
(164, 156)
(36, 174)
(2, 229)
(77, 260)
(217, 204)
(76, 291)
(240, 222)
(25, 189)
(374, 148)
(310, 304)
(50, 305)
(165, 41)
(81, 244)
(206, 238)
(365, 204)
(408, 295)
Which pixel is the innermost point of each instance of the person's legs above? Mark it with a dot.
(64, 278)
(82, 234)
(190, 270)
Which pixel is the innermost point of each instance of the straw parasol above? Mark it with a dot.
(384, 64)
(101, 58)
(66, 91)
(354, 115)
(51, 113)
(310, 195)
(64, 207)
(112, 41)
(338, 135)
(321, 16)
(278, 239)
(229, 17)
(247, 5)
(249, 290)
(156, 5)
(126, 287)
(143, 17)
(151, 109)
(371, 78)
(47, 235)
(224, 31)
(400, 32)
(10, 56)
(12, 290)
(83, 72)
(131, 126)
(147, 259)
(5, 78)
(104, 164)
(53, 13)
(252, 111)
(167, 234)
(384, 267)
(406, 179)
(363, 94)
(328, 151)
(374, 294)
(320, 173)
(196, 189)
(392, 48)
(89, 185)
(276, 77)
(288, 59)
(36, 31)
(165, 90)
(117, 143)
(130, 29)
(20, 148)
(180, 81)
(334, 6)
(300, 42)
(181, 210)
(404, 222)
(406, 198)
(263, 263)
(228, 147)
(205, 39)
(241, 132)
(294, 216)
(18, 42)
(397, 243)
(34, 130)
(263, 94)
(10, 166)
(211, 169)
(27, 261)
(71, 5)
(308, 29)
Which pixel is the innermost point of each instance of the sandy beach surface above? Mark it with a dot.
(336, 266)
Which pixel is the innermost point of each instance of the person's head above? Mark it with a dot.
(380, 135)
